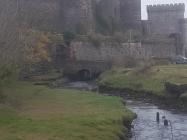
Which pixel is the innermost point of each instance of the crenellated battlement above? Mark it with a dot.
(165, 18)
(166, 7)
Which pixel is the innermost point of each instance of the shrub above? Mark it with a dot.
(102, 25)
(69, 36)
(120, 37)
(8, 73)
(37, 47)
(126, 61)
(80, 29)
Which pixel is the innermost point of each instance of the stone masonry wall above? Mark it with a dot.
(40, 14)
(159, 49)
(79, 15)
(105, 52)
(126, 14)
(115, 51)
(55, 15)
(130, 14)
(184, 35)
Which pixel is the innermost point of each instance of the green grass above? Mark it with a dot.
(151, 79)
(39, 113)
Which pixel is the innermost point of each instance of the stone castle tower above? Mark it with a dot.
(167, 21)
(109, 9)
(164, 18)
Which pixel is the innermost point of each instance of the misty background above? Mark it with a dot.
(150, 2)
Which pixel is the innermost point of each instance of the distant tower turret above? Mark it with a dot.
(164, 18)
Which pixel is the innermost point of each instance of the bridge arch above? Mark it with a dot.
(84, 74)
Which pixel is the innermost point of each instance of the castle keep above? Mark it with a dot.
(125, 14)
(163, 35)
(130, 13)
(184, 35)
(167, 21)
(77, 15)
(56, 15)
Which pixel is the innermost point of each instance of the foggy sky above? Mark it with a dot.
(148, 2)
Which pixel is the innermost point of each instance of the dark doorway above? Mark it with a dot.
(84, 75)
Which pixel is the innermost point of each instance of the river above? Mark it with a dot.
(145, 127)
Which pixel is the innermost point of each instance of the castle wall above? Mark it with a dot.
(105, 52)
(165, 18)
(54, 15)
(77, 15)
(60, 15)
(130, 13)
(159, 49)
(40, 14)
(109, 10)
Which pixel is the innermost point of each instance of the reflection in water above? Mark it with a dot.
(146, 127)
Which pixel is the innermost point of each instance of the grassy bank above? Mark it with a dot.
(38, 113)
(150, 79)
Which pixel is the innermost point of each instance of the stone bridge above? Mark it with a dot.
(84, 70)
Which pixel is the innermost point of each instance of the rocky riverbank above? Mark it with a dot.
(162, 85)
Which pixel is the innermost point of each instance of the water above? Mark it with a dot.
(81, 85)
(146, 127)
